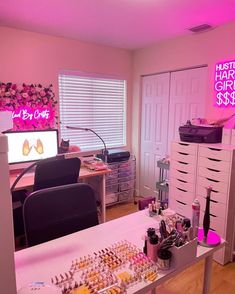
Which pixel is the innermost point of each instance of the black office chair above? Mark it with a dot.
(50, 172)
(57, 172)
(55, 212)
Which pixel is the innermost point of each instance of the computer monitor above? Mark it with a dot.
(25, 147)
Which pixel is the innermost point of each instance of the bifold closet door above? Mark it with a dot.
(187, 98)
(154, 125)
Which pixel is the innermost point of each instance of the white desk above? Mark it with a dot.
(40, 263)
(26, 182)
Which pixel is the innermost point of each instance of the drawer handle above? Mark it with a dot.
(213, 230)
(183, 153)
(213, 159)
(214, 191)
(214, 149)
(182, 172)
(182, 190)
(182, 181)
(183, 144)
(214, 170)
(214, 201)
(183, 162)
(213, 215)
(180, 202)
(215, 181)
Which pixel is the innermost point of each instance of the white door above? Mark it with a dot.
(154, 124)
(187, 98)
(168, 101)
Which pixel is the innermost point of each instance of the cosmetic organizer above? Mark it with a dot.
(184, 254)
(120, 182)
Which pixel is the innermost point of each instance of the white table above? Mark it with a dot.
(40, 263)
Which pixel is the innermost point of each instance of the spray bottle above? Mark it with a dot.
(195, 217)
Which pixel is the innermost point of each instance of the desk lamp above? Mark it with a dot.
(105, 151)
(206, 237)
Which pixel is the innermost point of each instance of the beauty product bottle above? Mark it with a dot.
(195, 217)
(152, 247)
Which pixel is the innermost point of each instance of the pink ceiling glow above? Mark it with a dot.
(129, 24)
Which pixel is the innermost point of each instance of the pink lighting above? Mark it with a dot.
(27, 118)
(224, 83)
(32, 105)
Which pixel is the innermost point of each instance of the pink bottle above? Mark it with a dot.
(152, 247)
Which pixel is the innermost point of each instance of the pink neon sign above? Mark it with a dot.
(224, 83)
(27, 116)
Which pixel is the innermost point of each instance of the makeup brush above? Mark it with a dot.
(206, 219)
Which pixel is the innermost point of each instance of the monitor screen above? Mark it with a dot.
(28, 146)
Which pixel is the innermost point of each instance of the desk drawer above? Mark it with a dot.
(215, 153)
(181, 195)
(182, 184)
(215, 195)
(180, 207)
(214, 164)
(183, 157)
(184, 147)
(217, 186)
(218, 209)
(182, 175)
(213, 174)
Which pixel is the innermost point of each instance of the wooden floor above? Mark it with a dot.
(189, 281)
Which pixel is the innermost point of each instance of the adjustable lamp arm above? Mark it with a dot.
(105, 152)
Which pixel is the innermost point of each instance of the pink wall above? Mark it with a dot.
(183, 52)
(36, 58)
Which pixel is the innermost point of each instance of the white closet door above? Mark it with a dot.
(187, 98)
(154, 124)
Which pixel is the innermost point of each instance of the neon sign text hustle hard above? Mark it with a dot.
(224, 84)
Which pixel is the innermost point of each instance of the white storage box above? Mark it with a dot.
(184, 254)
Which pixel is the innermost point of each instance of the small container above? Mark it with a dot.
(152, 247)
(164, 258)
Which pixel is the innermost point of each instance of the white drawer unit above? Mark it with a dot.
(195, 167)
(183, 147)
(214, 153)
(183, 166)
(216, 164)
(182, 195)
(182, 177)
(214, 174)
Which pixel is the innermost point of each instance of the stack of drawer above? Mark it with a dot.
(120, 183)
(214, 169)
(183, 177)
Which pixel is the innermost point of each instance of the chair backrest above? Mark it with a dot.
(56, 172)
(54, 212)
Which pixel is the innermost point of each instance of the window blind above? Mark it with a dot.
(95, 103)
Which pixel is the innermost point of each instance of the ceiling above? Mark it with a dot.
(129, 24)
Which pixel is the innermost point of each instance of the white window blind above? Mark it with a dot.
(95, 103)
